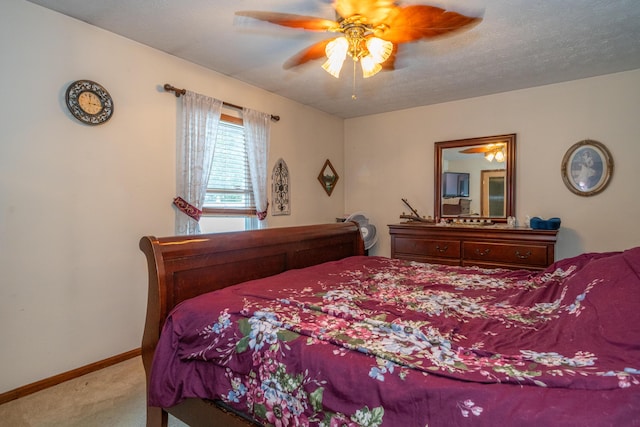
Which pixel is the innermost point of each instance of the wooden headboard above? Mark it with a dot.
(182, 267)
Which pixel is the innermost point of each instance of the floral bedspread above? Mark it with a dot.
(372, 341)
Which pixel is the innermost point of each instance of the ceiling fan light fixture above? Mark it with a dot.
(379, 49)
(336, 51)
(362, 23)
(496, 154)
(359, 44)
(369, 66)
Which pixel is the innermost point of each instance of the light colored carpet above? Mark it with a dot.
(113, 397)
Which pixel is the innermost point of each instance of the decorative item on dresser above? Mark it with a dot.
(484, 246)
(414, 215)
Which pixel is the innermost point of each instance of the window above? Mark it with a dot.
(229, 204)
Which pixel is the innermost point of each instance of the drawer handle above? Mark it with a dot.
(523, 256)
(482, 252)
(442, 250)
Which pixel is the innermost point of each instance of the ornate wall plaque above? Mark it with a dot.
(280, 189)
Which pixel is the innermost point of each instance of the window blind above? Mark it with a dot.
(229, 188)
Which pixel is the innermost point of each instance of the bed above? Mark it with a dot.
(295, 326)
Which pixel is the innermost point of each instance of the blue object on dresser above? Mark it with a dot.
(544, 224)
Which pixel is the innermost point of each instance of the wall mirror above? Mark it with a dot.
(475, 178)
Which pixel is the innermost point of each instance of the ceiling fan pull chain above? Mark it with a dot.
(353, 92)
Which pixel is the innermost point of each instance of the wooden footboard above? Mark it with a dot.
(182, 267)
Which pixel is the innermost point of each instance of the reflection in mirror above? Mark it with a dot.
(475, 178)
(492, 200)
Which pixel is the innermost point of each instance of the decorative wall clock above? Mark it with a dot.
(89, 102)
(280, 189)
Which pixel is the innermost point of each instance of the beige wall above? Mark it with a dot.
(390, 156)
(75, 199)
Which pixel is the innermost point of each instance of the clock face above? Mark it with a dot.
(89, 102)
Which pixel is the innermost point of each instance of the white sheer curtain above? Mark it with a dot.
(257, 127)
(200, 119)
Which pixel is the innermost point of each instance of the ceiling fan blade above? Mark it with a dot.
(314, 51)
(474, 150)
(376, 11)
(483, 148)
(290, 20)
(415, 22)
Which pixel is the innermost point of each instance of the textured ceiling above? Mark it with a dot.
(519, 44)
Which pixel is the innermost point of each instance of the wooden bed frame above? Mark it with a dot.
(183, 267)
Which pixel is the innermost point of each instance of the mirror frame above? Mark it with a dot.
(510, 171)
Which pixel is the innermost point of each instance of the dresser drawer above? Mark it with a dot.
(525, 254)
(428, 247)
(486, 247)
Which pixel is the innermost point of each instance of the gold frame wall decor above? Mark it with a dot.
(587, 167)
(328, 177)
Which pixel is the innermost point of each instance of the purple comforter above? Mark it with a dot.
(371, 341)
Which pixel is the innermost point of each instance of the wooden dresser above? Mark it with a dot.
(484, 246)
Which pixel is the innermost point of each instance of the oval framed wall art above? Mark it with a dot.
(587, 168)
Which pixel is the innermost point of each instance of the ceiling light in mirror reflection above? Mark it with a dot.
(497, 155)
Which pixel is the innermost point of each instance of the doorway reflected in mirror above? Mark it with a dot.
(492, 194)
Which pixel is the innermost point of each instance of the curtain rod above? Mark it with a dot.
(179, 92)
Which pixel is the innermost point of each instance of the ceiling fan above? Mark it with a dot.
(491, 151)
(371, 31)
